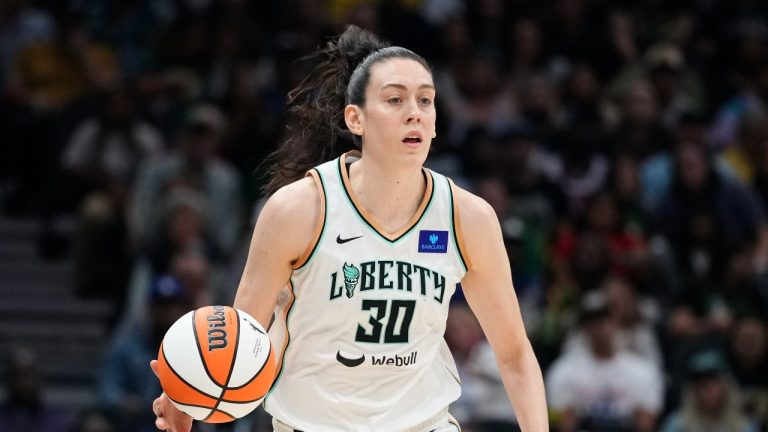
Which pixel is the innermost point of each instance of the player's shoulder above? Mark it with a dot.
(296, 202)
(475, 212)
(297, 191)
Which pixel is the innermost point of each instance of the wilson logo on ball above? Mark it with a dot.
(217, 336)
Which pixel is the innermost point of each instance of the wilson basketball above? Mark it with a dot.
(216, 364)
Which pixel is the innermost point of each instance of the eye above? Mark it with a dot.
(394, 100)
(425, 100)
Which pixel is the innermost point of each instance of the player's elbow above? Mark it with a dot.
(513, 353)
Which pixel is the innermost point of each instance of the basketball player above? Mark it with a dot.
(359, 258)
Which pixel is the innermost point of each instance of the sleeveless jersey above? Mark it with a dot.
(361, 323)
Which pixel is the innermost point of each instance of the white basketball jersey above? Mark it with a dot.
(361, 325)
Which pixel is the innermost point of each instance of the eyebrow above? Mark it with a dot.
(402, 87)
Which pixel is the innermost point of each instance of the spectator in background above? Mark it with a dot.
(101, 159)
(534, 206)
(455, 47)
(194, 272)
(557, 314)
(744, 156)
(751, 81)
(105, 151)
(576, 166)
(678, 90)
(191, 269)
(182, 249)
(131, 27)
(437, 12)
(573, 32)
(183, 228)
(48, 75)
(589, 262)
(623, 30)
(634, 318)
(195, 165)
(657, 171)
(748, 357)
(539, 106)
(582, 97)
(602, 388)
(639, 131)
(45, 81)
(704, 218)
(760, 180)
(711, 401)
(526, 45)
(627, 250)
(704, 203)
(743, 286)
(253, 101)
(126, 385)
(624, 182)
(22, 24)
(475, 98)
(519, 155)
(25, 408)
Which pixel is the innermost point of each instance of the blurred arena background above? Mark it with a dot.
(623, 144)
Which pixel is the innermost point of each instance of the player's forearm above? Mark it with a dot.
(525, 388)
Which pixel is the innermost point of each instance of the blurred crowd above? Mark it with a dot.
(623, 145)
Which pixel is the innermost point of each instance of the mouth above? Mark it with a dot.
(413, 139)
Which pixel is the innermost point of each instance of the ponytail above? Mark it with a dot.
(317, 132)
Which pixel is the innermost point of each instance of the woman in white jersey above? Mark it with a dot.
(356, 259)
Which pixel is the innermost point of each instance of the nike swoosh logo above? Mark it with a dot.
(340, 240)
(349, 362)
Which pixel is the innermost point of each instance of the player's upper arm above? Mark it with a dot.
(284, 231)
(488, 282)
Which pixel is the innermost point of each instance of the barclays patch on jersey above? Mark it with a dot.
(433, 241)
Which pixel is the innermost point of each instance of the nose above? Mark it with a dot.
(414, 113)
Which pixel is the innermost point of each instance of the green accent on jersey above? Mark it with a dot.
(368, 224)
(453, 228)
(325, 218)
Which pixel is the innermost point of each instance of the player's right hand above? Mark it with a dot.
(168, 417)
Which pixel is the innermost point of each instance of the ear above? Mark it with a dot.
(355, 119)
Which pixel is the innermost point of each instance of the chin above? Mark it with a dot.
(415, 162)
(417, 154)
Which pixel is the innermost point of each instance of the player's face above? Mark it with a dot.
(399, 113)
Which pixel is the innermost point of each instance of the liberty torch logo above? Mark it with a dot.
(351, 276)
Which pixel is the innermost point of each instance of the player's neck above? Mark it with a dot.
(391, 196)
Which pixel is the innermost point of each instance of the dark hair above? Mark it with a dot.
(317, 132)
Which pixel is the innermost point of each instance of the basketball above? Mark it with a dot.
(216, 364)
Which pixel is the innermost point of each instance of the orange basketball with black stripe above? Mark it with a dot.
(216, 364)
